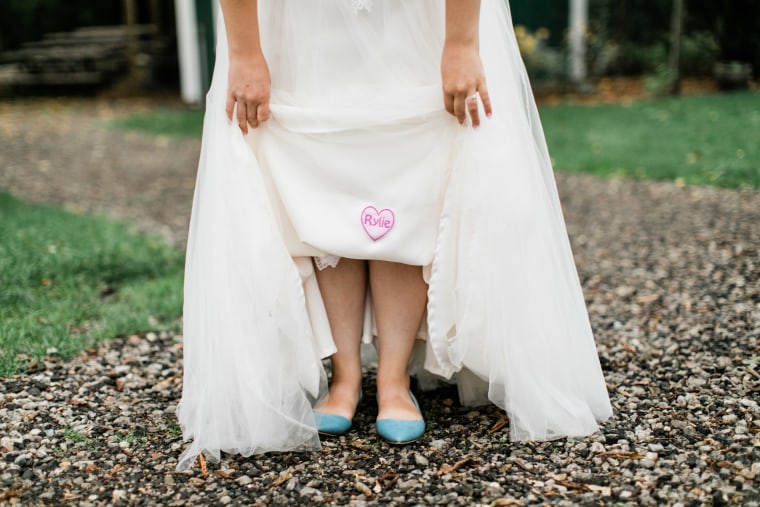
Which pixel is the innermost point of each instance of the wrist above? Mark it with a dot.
(249, 52)
(459, 41)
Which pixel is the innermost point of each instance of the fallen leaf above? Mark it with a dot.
(283, 477)
(747, 474)
(221, 473)
(450, 469)
(573, 485)
(498, 425)
(647, 298)
(621, 454)
(385, 481)
(523, 465)
(69, 496)
(362, 488)
(202, 460)
(357, 444)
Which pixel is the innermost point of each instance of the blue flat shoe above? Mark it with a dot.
(332, 425)
(399, 431)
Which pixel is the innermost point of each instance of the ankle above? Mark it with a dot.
(347, 373)
(346, 390)
(351, 381)
(393, 382)
(393, 393)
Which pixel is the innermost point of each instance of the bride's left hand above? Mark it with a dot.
(463, 82)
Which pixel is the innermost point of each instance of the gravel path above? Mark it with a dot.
(62, 153)
(672, 281)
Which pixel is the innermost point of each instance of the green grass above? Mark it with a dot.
(704, 140)
(67, 281)
(167, 122)
(74, 436)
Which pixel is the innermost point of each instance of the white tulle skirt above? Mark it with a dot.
(360, 160)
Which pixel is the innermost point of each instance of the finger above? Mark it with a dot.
(262, 113)
(485, 98)
(448, 102)
(251, 116)
(241, 117)
(230, 107)
(472, 109)
(459, 108)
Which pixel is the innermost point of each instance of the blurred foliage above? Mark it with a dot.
(632, 36)
(542, 61)
(549, 15)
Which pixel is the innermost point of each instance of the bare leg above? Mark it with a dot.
(399, 295)
(343, 290)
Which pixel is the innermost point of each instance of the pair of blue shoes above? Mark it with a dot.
(394, 431)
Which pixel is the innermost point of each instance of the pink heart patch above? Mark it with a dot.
(377, 223)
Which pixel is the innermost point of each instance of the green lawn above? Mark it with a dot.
(704, 140)
(67, 281)
(167, 122)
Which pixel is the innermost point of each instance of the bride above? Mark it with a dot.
(361, 180)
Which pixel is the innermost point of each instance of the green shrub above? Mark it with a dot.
(699, 52)
(543, 62)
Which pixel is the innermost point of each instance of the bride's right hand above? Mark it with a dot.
(248, 88)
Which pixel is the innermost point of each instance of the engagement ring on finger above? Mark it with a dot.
(474, 96)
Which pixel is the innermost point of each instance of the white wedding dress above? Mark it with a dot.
(360, 160)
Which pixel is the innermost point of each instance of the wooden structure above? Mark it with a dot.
(87, 56)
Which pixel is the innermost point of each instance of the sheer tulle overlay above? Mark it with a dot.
(359, 160)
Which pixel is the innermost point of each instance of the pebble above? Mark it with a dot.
(244, 480)
(438, 444)
(421, 460)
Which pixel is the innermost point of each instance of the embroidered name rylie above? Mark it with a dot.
(377, 223)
